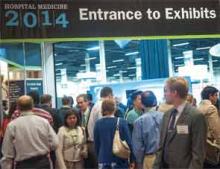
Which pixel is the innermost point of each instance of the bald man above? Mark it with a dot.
(28, 139)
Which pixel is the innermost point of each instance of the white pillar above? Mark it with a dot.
(102, 61)
(48, 70)
(170, 63)
(121, 76)
(188, 58)
(138, 68)
(87, 62)
(211, 72)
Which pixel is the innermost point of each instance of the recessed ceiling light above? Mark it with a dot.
(203, 48)
(131, 53)
(179, 57)
(181, 44)
(93, 48)
(58, 64)
(119, 60)
(111, 67)
(198, 59)
(131, 68)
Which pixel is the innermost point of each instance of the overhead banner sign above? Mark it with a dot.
(80, 19)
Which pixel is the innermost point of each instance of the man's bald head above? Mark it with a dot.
(25, 103)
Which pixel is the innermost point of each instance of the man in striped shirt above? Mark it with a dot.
(36, 109)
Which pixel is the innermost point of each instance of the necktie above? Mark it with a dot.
(84, 120)
(172, 119)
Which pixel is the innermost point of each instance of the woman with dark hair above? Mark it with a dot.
(103, 138)
(7, 117)
(6, 121)
(71, 101)
(72, 143)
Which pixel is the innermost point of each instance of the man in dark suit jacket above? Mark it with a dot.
(66, 107)
(183, 132)
(46, 104)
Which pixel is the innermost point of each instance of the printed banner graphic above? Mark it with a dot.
(79, 19)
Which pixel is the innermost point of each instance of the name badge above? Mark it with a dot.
(182, 129)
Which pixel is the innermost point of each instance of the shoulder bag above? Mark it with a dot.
(120, 147)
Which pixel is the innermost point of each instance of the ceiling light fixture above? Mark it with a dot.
(58, 64)
(111, 67)
(203, 48)
(119, 60)
(92, 58)
(131, 68)
(215, 50)
(131, 53)
(180, 65)
(180, 57)
(93, 48)
(198, 59)
(181, 44)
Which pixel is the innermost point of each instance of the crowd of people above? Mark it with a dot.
(175, 134)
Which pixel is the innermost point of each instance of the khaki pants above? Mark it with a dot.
(148, 161)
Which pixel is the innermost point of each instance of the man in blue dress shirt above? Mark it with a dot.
(146, 132)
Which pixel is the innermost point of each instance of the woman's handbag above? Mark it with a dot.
(212, 153)
(120, 147)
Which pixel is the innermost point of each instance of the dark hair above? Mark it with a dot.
(71, 101)
(5, 105)
(89, 96)
(46, 98)
(207, 91)
(25, 103)
(129, 104)
(84, 96)
(148, 99)
(189, 98)
(108, 106)
(12, 108)
(65, 100)
(35, 96)
(106, 91)
(135, 94)
(180, 85)
(70, 113)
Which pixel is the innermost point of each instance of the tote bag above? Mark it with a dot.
(120, 147)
